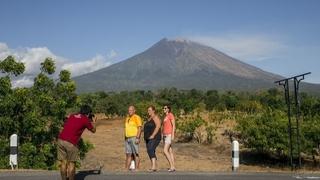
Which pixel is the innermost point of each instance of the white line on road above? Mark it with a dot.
(310, 177)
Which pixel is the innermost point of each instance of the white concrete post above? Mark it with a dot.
(13, 160)
(235, 155)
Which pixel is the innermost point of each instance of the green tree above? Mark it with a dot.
(36, 114)
(265, 132)
(11, 67)
(212, 99)
(48, 66)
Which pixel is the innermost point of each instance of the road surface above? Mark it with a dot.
(93, 175)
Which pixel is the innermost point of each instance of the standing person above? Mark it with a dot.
(133, 125)
(168, 130)
(152, 135)
(69, 137)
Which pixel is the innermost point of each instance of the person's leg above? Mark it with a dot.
(167, 154)
(128, 154)
(62, 158)
(63, 169)
(72, 157)
(153, 143)
(153, 164)
(128, 160)
(156, 143)
(172, 157)
(137, 161)
(71, 170)
(150, 152)
(135, 152)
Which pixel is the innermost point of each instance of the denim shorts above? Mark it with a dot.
(130, 146)
(167, 139)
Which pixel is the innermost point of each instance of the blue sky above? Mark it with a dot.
(280, 36)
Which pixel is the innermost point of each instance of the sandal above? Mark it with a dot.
(152, 170)
(171, 170)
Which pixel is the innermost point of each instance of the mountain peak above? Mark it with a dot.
(178, 63)
(175, 40)
(172, 45)
(180, 40)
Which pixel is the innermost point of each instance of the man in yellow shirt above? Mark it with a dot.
(133, 125)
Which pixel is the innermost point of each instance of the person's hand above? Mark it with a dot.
(137, 141)
(151, 137)
(172, 137)
(94, 119)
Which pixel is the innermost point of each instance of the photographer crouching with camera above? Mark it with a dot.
(69, 137)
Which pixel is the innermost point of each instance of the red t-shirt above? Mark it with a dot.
(74, 127)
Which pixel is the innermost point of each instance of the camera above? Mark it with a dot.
(91, 116)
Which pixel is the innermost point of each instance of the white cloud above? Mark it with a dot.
(90, 65)
(4, 50)
(25, 81)
(244, 47)
(32, 57)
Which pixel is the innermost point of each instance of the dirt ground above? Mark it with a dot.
(109, 151)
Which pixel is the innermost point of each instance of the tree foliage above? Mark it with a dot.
(36, 114)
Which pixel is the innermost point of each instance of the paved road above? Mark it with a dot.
(90, 175)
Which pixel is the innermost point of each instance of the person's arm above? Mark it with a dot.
(138, 135)
(173, 128)
(156, 130)
(93, 123)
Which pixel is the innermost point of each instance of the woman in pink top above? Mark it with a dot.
(168, 130)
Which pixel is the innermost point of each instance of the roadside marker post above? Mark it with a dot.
(235, 155)
(13, 160)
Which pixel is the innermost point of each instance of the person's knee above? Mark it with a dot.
(63, 164)
(63, 171)
(166, 148)
(71, 167)
(165, 151)
(151, 155)
(150, 151)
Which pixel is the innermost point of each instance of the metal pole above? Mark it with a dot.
(285, 84)
(297, 104)
(288, 102)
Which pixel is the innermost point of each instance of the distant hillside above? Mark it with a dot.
(177, 63)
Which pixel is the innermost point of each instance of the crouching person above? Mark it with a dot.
(69, 137)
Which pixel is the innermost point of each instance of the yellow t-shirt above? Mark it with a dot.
(131, 125)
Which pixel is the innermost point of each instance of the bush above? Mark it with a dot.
(265, 132)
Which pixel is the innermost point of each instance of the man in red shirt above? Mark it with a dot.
(69, 138)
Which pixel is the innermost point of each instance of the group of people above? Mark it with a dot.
(153, 131)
